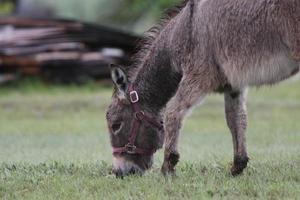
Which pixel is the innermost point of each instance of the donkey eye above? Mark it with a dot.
(115, 127)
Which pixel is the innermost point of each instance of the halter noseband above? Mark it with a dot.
(139, 117)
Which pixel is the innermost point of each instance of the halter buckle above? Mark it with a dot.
(140, 115)
(130, 148)
(134, 97)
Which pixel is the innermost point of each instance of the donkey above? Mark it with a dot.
(205, 46)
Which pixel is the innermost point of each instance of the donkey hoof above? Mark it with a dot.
(240, 163)
(168, 167)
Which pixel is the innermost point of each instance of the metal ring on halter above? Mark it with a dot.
(134, 97)
(130, 149)
(140, 115)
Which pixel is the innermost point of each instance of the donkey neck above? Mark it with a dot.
(156, 80)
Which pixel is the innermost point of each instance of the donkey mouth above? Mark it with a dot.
(132, 171)
(125, 167)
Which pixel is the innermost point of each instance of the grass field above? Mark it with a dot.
(54, 145)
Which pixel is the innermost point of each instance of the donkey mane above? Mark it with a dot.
(145, 44)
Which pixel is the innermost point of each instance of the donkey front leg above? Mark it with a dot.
(235, 109)
(187, 95)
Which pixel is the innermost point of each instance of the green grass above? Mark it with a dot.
(54, 145)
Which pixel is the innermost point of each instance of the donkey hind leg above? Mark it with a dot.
(187, 95)
(236, 116)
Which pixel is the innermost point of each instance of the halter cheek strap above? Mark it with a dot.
(139, 117)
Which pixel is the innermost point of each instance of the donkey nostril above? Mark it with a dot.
(115, 127)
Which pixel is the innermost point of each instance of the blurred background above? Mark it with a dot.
(131, 15)
(67, 41)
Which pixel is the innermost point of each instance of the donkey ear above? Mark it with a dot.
(119, 78)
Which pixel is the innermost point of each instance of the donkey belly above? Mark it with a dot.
(264, 72)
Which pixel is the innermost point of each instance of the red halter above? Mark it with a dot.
(139, 117)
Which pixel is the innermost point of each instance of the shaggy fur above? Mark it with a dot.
(209, 46)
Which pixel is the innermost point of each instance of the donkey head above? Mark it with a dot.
(135, 133)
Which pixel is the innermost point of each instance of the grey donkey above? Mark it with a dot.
(205, 46)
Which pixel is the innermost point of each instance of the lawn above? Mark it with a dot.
(54, 145)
